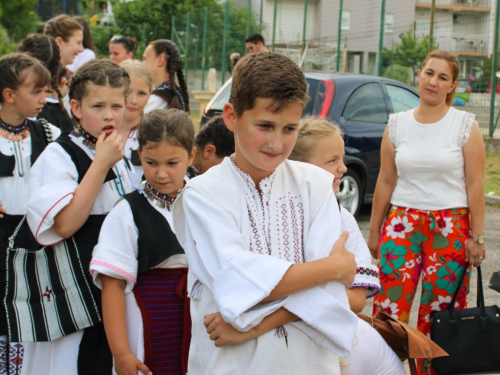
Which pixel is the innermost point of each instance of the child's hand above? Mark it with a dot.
(344, 260)
(224, 333)
(109, 149)
(128, 364)
(2, 210)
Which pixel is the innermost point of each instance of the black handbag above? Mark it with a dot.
(470, 336)
(48, 295)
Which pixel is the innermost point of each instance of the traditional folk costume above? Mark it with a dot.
(239, 244)
(137, 245)
(20, 147)
(54, 179)
(130, 150)
(57, 116)
(162, 96)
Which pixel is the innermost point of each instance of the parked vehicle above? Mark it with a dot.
(463, 86)
(361, 105)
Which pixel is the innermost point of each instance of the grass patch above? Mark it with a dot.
(492, 173)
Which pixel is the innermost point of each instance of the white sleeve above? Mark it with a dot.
(366, 272)
(53, 181)
(324, 310)
(56, 132)
(217, 256)
(155, 102)
(115, 254)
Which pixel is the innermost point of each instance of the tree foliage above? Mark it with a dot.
(410, 52)
(398, 72)
(18, 17)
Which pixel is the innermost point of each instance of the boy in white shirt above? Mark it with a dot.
(259, 233)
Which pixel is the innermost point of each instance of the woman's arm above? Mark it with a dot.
(115, 324)
(225, 334)
(75, 214)
(386, 182)
(474, 159)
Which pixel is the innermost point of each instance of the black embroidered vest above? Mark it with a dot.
(156, 241)
(38, 143)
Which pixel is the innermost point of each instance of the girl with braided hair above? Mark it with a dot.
(163, 59)
(46, 50)
(23, 81)
(74, 184)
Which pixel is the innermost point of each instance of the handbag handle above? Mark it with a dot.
(480, 293)
(16, 231)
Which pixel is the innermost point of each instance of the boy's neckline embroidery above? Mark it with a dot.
(265, 184)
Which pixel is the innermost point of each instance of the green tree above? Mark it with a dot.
(411, 51)
(18, 17)
(397, 72)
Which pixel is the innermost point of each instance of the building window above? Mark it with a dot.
(346, 20)
(389, 23)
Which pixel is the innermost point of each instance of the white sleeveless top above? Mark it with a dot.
(429, 160)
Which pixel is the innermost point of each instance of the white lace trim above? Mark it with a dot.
(464, 128)
(393, 127)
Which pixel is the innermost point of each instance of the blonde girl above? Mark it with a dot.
(138, 262)
(139, 93)
(74, 184)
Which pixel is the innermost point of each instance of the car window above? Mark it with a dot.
(401, 99)
(221, 99)
(366, 104)
(312, 87)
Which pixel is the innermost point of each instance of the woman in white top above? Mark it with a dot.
(432, 163)
(88, 47)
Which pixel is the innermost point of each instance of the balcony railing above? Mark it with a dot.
(471, 43)
(462, 3)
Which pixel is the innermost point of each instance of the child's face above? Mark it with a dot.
(28, 99)
(329, 154)
(70, 48)
(101, 109)
(165, 166)
(151, 60)
(263, 139)
(137, 99)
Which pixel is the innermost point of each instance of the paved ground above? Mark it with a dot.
(491, 263)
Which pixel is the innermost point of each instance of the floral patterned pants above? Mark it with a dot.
(427, 243)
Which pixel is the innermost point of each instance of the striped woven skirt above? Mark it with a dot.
(161, 295)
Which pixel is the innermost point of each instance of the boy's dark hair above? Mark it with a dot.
(173, 67)
(45, 49)
(267, 75)
(15, 67)
(171, 125)
(103, 72)
(88, 42)
(255, 38)
(216, 132)
(63, 26)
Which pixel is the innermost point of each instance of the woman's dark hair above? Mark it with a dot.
(127, 42)
(173, 67)
(103, 72)
(15, 67)
(88, 42)
(45, 49)
(171, 125)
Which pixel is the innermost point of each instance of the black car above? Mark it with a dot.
(361, 105)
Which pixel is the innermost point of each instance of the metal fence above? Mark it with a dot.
(366, 41)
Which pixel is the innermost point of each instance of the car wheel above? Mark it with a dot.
(349, 195)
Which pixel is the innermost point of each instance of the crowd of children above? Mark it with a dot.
(165, 252)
